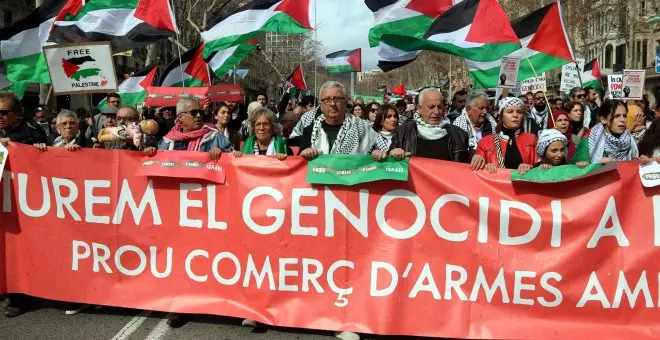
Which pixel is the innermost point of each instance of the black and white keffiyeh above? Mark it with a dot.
(507, 102)
(601, 142)
(271, 147)
(541, 118)
(384, 140)
(431, 132)
(306, 120)
(463, 122)
(59, 142)
(348, 138)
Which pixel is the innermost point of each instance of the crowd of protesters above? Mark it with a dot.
(510, 132)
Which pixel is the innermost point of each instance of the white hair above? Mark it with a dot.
(428, 90)
(474, 95)
(64, 113)
(272, 118)
(331, 84)
(185, 99)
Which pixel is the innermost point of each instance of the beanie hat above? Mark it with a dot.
(548, 137)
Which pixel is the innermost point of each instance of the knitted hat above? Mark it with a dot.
(548, 137)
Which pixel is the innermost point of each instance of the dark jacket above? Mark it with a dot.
(405, 137)
(25, 132)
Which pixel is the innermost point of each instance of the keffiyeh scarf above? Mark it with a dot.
(276, 145)
(541, 118)
(509, 101)
(431, 132)
(463, 122)
(195, 138)
(348, 138)
(601, 143)
(59, 142)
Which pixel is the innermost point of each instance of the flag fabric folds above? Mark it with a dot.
(254, 18)
(224, 61)
(344, 61)
(297, 79)
(133, 90)
(188, 71)
(591, 76)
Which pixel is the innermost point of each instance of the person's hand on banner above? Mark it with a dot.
(399, 154)
(215, 154)
(581, 165)
(281, 156)
(150, 151)
(523, 168)
(237, 154)
(492, 168)
(546, 166)
(73, 148)
(378, 155)
(4, 141)
(41, 147)
(310, 153)
(606, 160)
(477, 163)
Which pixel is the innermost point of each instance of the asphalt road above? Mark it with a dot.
(47, 320)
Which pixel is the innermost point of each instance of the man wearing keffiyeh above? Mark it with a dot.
(334, 131)
(475, 120)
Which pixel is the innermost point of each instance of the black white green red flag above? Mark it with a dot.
(221, 62)
(128, 24)
(133, 90)
(254, 18)
(591, 76)
(344, 61)
(544, 42)
(188, 71)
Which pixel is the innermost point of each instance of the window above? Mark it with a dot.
(638, 54)
(609, 50)
(642, 7)
(645, 53)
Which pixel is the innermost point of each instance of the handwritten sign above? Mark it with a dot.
(633, 84)
(534, 84)
(615, 86)
(570, 75)
(508, 72)
(81, 68)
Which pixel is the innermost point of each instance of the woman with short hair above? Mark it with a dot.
(266, 137)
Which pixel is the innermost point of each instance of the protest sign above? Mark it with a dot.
(562, 173)
(169, 96)
(181, 164)
(533, 84)
(615, 86)
(650, 174)
(352, 170)
(489, 259)
(508, 72)
(633, 84)
(81, 68)
(570, 76)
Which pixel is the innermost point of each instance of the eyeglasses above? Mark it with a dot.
(193, 112)
(126, 119)
(336, 100)
(63, 124)
(373, 110)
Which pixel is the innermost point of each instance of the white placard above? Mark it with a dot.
(508, 72)
(570, 76)
(4, 156)
(81, 68)
(650, 174)
(615, 86)
(533, 85)
(633, 84)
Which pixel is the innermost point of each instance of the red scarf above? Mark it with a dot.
(194, 138)
(569, 136)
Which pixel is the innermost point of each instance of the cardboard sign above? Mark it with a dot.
(533, 84)
(615, 86)
(508, 72)
(81, 68)
(650, 174)
(169, 96)
(570, 75)
(633, 84)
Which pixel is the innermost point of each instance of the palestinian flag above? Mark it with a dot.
(224, 61)
(78, 68)
(591, 76)
(404, 17)
(133, 90)
(256, 17)
(18, 87)
(297, 79)
(344, 61)
(190, 71)
(21, 44)
(128, 24)
(545, 42)
(473, 29)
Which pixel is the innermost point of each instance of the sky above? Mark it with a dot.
(344, 25)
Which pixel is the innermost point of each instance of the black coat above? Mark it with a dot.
(405, 137)
(25, 132)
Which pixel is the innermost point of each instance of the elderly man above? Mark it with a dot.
(191, 134)
(475, 120)
(12, 127)
(113, 117)
(429, 134)
(69, 135)
(337, 132)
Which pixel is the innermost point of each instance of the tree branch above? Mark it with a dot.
(190, 20)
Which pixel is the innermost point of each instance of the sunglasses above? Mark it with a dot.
(579, 96)
(5, 113)
(194, 112)
(373, 110)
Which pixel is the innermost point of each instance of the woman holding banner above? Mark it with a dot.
(266, 138)
(609, 140)
(562, 123)
(387, 119)
(510, 147)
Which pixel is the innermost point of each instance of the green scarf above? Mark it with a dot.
(249, 145)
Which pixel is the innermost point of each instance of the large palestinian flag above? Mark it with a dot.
(591, 76)
(191, 70)
(344, 61)
(128, 24)
(21, 44)
(133, 90)
(545, 42)
(284, 17)
(221, 62)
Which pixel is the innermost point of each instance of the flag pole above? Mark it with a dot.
(570, 44)
(316, 59)
(178, 44)
(450, 67)
(547, 102)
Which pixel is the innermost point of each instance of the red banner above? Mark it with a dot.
(435, 256)
(169, 96)
(181, 165)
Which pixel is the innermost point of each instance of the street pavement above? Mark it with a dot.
(47, 320)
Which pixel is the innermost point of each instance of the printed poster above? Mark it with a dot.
(633, 84)
(508, 72)
(81, 68)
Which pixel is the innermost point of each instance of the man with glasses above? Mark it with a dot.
(12, 127)
(335, 131)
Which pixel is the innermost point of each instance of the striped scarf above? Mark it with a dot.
(195, 138)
